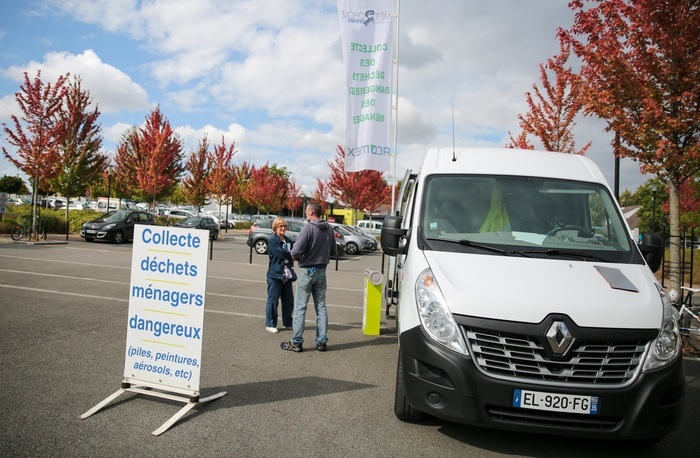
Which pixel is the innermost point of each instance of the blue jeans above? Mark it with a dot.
(308, 286)
(276, 290)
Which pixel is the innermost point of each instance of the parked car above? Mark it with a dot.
(201, 222)
(78, 206)
(180, 214)
(223, 224)
(261, 230)
(116, 226)
(355, 240)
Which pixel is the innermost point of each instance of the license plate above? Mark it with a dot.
(555, 402)
(89, 231)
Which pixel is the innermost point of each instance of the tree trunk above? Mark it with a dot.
(675, 236)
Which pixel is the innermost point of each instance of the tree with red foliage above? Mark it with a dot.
(267, 188)
(365, 190)
(293, 202)
(37, 136)
(80, 160)
(520, 142)
(221, 174)
(239, 184)
(198, 165)
(321, 194)
(150, 157)
(551, 117)
(641, 70)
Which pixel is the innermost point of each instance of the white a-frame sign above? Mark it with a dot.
(166, 317)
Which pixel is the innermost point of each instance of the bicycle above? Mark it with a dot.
(21, 230)
(689, 319)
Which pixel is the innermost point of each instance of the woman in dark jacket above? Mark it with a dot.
(277, 286)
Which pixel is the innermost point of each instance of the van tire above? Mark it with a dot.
(402, 409)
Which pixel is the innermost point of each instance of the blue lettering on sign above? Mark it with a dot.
(189, 240)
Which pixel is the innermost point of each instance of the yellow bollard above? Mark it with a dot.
(372, 306)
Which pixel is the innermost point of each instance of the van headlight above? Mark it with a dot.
(667, 344)
(434, 314)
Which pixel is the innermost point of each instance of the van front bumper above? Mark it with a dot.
(448, 385)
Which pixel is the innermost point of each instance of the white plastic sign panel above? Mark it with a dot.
(166, 307)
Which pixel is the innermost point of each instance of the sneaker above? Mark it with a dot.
(272, 330)
(291, 346)
(321, 346)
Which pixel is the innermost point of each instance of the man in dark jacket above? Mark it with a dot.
(313, 249)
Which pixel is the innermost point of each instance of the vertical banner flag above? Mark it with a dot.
(366, 36)
(166, 307)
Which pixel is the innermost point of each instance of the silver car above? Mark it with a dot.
(261, 230)
(355, 240)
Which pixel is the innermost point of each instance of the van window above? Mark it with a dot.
(522, 213)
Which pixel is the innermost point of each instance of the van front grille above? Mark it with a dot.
(553, 419)
(523, 357)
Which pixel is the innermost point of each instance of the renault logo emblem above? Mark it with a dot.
(559, 338)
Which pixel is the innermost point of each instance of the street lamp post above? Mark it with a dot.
(653, 208)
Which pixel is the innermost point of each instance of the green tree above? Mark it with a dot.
(80, 162)
(194, 184)
(239, 185)
(13, 185)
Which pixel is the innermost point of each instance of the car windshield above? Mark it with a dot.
(118, 215)
(354, 230)
(192, 221)
(524, 214)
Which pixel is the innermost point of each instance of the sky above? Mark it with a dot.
(269, 77)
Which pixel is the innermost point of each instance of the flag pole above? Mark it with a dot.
(396, 110)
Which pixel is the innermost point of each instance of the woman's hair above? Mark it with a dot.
(278, 222)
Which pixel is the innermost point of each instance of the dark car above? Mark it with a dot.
(201, 222)
(116, 226)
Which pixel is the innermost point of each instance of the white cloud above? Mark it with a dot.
(269, 75)
(112, 89)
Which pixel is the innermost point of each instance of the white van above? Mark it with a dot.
(114, 202)
(522, 302)
(370, 227)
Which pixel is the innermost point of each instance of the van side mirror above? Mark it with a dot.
(390, 237)
(652, 248)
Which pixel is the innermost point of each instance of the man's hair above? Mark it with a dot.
(315, 208)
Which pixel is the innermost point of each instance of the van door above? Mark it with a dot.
(405, 210)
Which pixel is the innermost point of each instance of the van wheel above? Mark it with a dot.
(261, 246)
(402, 409)
(118, 237)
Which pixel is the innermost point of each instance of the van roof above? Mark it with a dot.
(510, 161)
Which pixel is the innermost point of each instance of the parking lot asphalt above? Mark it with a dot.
(62, 338)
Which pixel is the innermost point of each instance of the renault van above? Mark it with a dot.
(523, 303)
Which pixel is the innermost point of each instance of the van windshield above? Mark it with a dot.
(523, 214)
